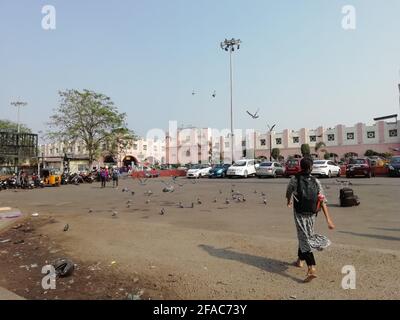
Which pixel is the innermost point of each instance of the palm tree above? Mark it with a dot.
(320, 146)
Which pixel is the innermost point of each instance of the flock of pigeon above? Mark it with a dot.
(169, 187)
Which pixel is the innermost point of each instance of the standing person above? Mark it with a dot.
(308, 196)
(115, 177)
(103, 177)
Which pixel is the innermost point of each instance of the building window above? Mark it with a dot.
(393, 133)
(313, 138)
(145, 147)
(263, 142)
(350, 135)
(371, 134)
(331, 137)
(226, 144)
(70, 150)
(216, 146)
(134, 146)
(296, 140)
(188, 153)
(163, 148)
(243, 143)
(278, 140)
(57, 150)
(79, 148)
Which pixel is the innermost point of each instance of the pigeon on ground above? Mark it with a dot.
(162, 212)
(227, 201)
(198, 201)
(114, 214)
(66, 227)
(255, 191)
(90, 210)
(133, 193)
(192, 205)
(263, 194)
(180, 205)
(147, 201)
(265, 201)
(215, 200)
(220, 191)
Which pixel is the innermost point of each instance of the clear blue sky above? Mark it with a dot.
(296, 63)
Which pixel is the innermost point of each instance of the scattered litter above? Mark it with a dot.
(64, 267)
(19, 241)
(5, 241)
(35, 265)
(135, 280)
(113, 262)
(293, 297)
(137, 296)
(35, 214)
(17, 226)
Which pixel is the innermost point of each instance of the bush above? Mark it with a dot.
(305, 150)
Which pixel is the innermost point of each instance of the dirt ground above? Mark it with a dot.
(215, 250)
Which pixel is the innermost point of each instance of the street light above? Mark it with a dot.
(229, 45)
(18, 104)
(270, 141)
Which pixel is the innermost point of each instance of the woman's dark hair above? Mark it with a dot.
(306, 165)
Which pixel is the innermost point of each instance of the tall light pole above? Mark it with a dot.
(270, 141)
(18, 104)
(229, 46)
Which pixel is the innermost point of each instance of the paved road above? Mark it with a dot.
(218, 250)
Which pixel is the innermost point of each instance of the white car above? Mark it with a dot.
(242, 168)
(198, 170)
(325, 168)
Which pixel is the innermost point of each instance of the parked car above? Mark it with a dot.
(325, 168)
(242, 168)
(198, 170)
(394, 166)
(377, 161)
(359, 167)
(270, 169)
(219, 171)
(292, 167)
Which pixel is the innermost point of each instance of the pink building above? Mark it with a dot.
(380, 137)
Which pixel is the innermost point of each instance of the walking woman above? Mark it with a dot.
(308, 197)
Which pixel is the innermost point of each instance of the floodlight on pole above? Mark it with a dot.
(229, 45)
(18, 104)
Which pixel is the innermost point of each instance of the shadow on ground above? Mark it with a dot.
(375, 236)
(263, 263)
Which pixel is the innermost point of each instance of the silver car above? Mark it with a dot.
(270, 169)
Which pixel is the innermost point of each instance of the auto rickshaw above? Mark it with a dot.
(51, 177)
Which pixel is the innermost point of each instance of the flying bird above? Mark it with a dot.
(255, 115)
(193, 93)
(214, 94)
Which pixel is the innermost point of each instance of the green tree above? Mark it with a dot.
(305, 150)
(370, 153)
(6, 125)
(86, 116)
(275, 152)
(327, 155)
(320, 146)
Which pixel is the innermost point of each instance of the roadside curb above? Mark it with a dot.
(8, 295)
(9, 216)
